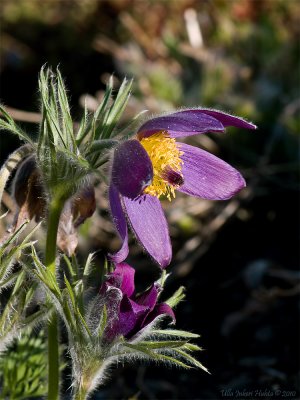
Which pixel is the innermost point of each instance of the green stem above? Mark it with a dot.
(83, 386)
(53, 359)
(55, 210)
(80, 394)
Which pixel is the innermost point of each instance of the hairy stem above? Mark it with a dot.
(88, 379)
(55, 210)
(80, 394)
(53, 359)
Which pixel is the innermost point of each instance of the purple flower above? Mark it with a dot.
(154, 165)
(127, 313)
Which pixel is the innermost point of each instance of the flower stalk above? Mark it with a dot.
(55, 210)
(80, 394)
(53, 359)
(87, 377)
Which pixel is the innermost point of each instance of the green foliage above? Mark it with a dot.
(13, 318)
(8, 255)
(57, 152)
(177, 297)
(7, 123)
(116, 110)
(66, 157)
(23, 368)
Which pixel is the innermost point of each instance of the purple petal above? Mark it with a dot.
(149, 298)
(225, 118)
(123, 278)
(131, 316)
(120, 223)
(208, 177)
(150, 227)
(159, 309)
(132, 169)
(180, 124)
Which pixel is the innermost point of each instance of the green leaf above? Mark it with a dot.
(70, 291)
(88, 265)
(116, 110)
(99, 145)
(82, 126)
(177, 297)
(102, 322)
(162, 280)
(67, 123)
(192, 347)
(97, 119)
(157, 356)
(37, 317)
(50, 113)
(7, 123)
(191, 359)
(161, 344)
(84, 324)
(71, 268)
(23, 370)
(45, 275)
(9, 254)
(175, 332)
(9, 281)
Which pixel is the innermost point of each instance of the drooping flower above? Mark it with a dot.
(154, 165)
(127, 313)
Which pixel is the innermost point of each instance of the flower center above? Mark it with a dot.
(167, 164)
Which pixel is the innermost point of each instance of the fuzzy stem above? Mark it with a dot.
(80, 394)
(53, 359)
(89, 379)
(55, 210)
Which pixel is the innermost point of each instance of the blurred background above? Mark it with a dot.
(239, 259)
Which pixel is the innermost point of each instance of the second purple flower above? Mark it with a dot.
(127, 313)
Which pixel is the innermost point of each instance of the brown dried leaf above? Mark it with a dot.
(75, 212)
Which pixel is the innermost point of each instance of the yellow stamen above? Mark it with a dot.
(164, 154)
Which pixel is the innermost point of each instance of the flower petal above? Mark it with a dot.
(131, 316)
(227, 119)
(123, 278)
(159, 309)
(120, 223)
(149, 297)
(150, 227)
(132, 169)
(207, 176)
(182, 123)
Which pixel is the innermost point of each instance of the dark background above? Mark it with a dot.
(238, 259)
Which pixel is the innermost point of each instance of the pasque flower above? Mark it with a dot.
(154, 165)
(127, 313)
